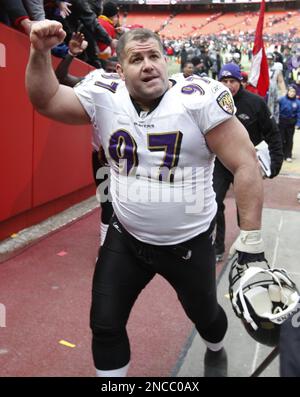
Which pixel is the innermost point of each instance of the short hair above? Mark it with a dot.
(196, 60)
(187, 63)
(140, 34)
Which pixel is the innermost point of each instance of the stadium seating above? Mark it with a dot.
(188, 24)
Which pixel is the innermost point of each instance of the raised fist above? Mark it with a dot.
(46, 34)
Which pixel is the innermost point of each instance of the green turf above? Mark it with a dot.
(173, 67)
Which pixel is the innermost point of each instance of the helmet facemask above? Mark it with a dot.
(263, 298)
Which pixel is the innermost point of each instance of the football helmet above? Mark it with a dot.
(263, 298)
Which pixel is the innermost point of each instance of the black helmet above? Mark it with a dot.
(263, 299)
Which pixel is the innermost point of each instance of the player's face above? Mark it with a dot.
(232, 84)
(188, 70)
(144, 70)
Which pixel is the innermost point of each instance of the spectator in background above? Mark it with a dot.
(289, 118)
(254, 114)
(276, 87)
(108, 20)
(83, 18)
(76, 45)
(57, 9)
(245, 83)
(295, 74)
(183, 57)
(216, 64)
(206, 59)
(96, 6)
(13, 13)
(244, 79)
(170, 52)
(35, 9)
(277, 55)
(228, 57)
(236, 58)
(188, 70)
(64, 8)
(199, 66)
(294, 61)
(286, 65)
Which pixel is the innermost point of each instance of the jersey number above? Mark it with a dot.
(122, 146)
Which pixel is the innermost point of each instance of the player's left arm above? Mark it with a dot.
(231, 144)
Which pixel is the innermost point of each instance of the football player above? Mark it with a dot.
(160, 140)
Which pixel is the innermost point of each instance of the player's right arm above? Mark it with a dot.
(46, 94)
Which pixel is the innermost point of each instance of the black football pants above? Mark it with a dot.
(125, 266)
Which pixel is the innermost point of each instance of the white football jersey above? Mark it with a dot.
(178, 77)
(90, 78)
(161, 167)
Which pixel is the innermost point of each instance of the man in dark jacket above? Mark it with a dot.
(83, 18)
(254, 114)
(13, 12)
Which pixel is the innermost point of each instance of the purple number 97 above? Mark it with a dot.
(123, 149)
(170, 144)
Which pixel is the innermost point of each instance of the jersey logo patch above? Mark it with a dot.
(192, 88)
(225, 102)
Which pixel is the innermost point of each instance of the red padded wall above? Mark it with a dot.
(61, 159)
(41, 161)
(16, 135)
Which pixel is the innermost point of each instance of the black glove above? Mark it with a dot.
(275, 169)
